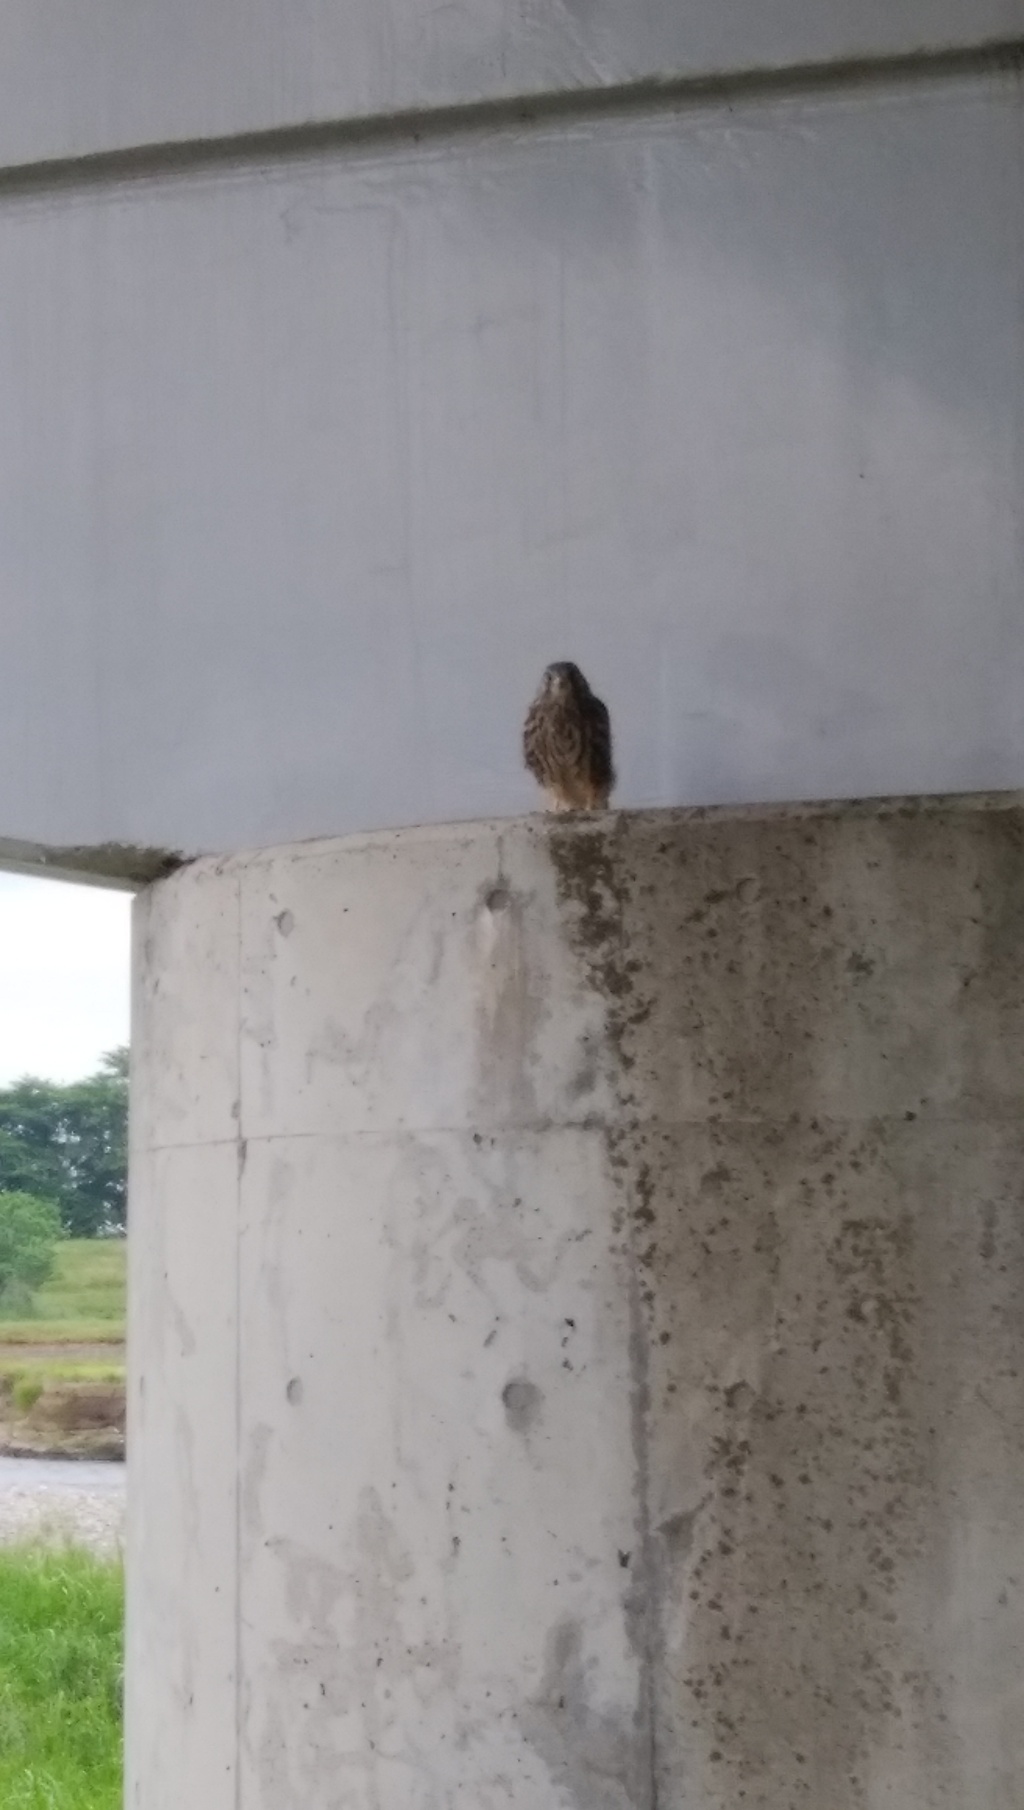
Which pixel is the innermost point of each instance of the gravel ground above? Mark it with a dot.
(83, 1505)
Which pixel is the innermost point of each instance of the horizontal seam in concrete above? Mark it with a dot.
(594, 1127)
(499, 115)
(142, 1148)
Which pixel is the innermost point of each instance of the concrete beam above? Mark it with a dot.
(126, 73)
(309, 465)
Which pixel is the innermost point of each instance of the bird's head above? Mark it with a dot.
(563, 679)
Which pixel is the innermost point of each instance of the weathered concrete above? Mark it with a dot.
(576, 1337)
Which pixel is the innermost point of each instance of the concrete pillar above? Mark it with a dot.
(576, 1318)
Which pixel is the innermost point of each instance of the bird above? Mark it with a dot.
(567, 741)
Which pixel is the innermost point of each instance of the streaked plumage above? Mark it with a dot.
(567, 741)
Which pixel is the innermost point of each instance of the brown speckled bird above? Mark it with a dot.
(567, 741)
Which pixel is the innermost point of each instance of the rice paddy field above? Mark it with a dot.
(62, 1364)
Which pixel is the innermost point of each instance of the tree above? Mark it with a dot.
(68, 1144)
(29, 1230)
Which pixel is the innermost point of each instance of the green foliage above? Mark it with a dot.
(26, 1391)
(60, 1680)
(23, 1383)
(68, 1143)
(29, 1230)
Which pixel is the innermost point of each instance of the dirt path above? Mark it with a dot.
(112, 1353)
(76, 1504)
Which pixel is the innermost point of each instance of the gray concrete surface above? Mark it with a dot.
(313, 455)
(576, 1350)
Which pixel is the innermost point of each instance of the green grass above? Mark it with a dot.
(23, 1382)
(84, 1301)
(61, 1618)
(88, 1282)
(24, 1379)
(12, 1370)
(25, 1392)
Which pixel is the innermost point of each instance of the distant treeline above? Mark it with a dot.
(68, 1143)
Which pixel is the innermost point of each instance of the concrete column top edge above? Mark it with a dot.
(541, 825)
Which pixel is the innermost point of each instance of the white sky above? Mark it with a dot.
(64, 977)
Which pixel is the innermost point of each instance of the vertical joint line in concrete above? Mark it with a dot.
(239, 1167)
(647, 1605)
(639, 1355)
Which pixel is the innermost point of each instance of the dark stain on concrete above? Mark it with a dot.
(594, 887)
(596, 1757)
(987, 1243)
(813, 1140)
(522, 1401)
(678, 1533)
(113, 861)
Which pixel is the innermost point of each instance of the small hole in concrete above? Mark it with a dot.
(285, 921)
(294, 1391)
(498, 899)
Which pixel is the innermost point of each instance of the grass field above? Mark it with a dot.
(62, 1366)
(60, 1681)
(25, 1378)
(83, 1302)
